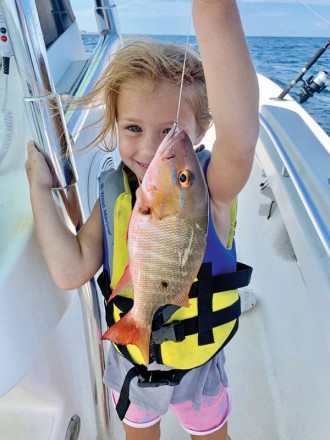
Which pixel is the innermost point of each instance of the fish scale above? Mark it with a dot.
(157, 260)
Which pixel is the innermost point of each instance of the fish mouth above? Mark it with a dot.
(172, 156)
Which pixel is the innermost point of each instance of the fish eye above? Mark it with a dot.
(185, 178)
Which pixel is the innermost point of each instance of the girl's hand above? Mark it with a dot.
(38, 168)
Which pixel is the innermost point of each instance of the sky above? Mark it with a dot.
(299, 18)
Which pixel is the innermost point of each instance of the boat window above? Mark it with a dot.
(55, 17)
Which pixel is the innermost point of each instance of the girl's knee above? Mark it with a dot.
(220, 434)
(150, 433)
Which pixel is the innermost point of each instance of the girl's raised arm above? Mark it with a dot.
(232, 93)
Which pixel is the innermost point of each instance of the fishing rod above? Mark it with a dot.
(313, 84)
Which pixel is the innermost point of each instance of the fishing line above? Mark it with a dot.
(176, 121)
(313, 12)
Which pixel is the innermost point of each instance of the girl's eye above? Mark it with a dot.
(167, 130)
(134, 128)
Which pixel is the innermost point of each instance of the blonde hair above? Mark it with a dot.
(155, 62)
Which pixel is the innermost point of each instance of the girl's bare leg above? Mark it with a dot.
(150, 433)
(220, 434)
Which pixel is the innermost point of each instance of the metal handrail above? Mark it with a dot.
(47, 121)
(43, 105)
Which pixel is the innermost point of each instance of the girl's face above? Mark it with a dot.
(144, 117)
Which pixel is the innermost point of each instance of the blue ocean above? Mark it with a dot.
(280, 59)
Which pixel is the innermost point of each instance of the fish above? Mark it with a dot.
(166, 239)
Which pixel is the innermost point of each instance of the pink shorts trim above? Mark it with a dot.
(136, 417)
(211, 416)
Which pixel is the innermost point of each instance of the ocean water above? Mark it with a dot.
(280, 59)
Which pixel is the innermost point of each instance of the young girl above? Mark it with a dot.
(140, 91)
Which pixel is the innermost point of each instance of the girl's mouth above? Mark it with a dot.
(143, 165)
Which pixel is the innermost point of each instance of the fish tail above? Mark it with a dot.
(129, 331)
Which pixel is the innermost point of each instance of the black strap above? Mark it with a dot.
(204, 304)
(124, 304)
(157, 378)
(220, 283)
(123, 401)
(103, 281)
(220, 317)
(227, 281)
(178, 330)
(146, 379)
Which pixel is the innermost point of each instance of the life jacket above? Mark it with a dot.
(182, 338)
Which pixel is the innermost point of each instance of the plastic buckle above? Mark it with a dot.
(170, 332)
(158, 378)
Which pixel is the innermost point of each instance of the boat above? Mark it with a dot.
(51, 353)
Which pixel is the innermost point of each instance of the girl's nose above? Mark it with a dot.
(151, 143)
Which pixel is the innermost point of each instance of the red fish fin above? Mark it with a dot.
(182, 300)
(125, 283)
(129, 331)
